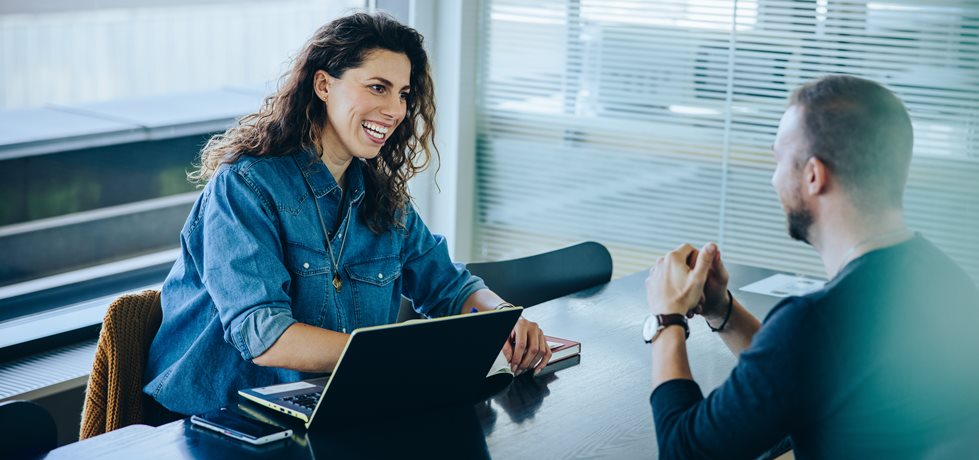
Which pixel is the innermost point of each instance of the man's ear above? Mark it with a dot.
(321, 84)
(815, 176)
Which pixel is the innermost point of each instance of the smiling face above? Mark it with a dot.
(365, 105)
(790, 151)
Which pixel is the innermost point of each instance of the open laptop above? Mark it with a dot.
(411, 365)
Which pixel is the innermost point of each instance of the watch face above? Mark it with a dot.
(649, 328)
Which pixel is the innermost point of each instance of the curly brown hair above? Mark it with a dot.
(293, 118)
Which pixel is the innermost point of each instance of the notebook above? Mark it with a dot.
(565, 353)
(398, 367)
(562, 348)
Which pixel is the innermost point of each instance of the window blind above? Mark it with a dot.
(645, 124)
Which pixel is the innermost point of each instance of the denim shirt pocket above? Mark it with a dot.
(310, 272)
(373, 285)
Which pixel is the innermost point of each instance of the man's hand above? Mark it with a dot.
(675, 285)
(526, 348)
(713, 305)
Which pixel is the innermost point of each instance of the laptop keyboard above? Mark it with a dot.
(306, 400)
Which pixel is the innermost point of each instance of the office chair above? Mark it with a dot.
(531, 280)
(26, 430)
(114, 397)
(535, 279)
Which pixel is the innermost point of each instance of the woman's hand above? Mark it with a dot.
(526, 348)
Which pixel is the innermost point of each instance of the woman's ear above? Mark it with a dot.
(321, 84)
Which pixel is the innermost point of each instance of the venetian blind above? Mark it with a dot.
(646, 124)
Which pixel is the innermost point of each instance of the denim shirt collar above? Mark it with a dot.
(321, 181)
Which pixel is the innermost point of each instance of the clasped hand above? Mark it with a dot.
(688, 281)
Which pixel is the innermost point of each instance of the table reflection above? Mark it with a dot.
(444, 433)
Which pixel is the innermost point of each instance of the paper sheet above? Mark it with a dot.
(781, 285)
(500, 366)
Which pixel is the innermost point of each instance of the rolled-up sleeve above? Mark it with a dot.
(258, 330)
(242, 265)
(437, 286)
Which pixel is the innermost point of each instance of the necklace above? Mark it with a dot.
(337, 282)
(896, 235)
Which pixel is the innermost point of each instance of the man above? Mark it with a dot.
(880, 363)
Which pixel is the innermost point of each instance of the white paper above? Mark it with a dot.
(781, 285)
(284, 387)
(500, 366)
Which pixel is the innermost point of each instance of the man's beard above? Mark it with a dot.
(799, 222)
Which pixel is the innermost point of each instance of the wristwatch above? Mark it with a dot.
(656, 323)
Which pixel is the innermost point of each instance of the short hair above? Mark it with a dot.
(863, 133)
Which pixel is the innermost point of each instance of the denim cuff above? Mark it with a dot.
(473, 284)
(260, 329)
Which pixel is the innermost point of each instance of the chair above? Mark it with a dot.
(114, 397)
(535, 279)
(26, 430)
(531, 280)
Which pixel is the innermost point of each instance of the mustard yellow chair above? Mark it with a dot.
(114, 397)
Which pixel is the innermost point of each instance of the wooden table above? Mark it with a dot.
(598, 408)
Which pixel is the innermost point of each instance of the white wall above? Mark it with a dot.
(450, 31)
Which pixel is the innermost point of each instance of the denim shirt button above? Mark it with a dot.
(344, 330)
(305, 264)
(380, 275)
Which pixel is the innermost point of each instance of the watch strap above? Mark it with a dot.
(655, 324)
(674, 319)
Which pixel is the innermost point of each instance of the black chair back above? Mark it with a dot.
(536, 279)
(26, 430)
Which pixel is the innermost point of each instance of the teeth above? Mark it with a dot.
(375, 130)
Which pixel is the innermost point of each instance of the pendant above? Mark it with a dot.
(337, 284)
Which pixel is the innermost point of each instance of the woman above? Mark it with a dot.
(305, 230)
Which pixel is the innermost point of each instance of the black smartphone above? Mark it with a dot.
(240, 427)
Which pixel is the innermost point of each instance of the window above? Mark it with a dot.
(103, 108)
(134, 48)
(644, 124)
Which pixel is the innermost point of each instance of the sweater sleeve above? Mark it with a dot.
(756, 407)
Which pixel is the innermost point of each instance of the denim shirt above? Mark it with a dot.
(254, 261)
